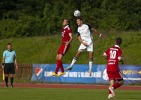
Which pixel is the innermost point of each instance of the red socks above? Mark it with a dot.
(59, 65)
(56, 70)
(109, 91)
(116, 85)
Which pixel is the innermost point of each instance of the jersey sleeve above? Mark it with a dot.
(76, 30)
(15, 53)
(4, 54)
(91, 26)
(69, 30)
(78, 34)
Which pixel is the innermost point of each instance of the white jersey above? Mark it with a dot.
(85, 34)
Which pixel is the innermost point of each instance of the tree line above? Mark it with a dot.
(44, 17)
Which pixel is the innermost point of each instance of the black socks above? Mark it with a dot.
(11, 80)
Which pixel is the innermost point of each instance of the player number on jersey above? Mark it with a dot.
(112, 54)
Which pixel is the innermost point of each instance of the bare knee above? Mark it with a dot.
(59, 57)
(11, 75)
(112, 82)
(91, 56)
(56, 57)
(6, 75)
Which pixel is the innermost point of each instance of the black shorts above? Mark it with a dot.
(9, 68)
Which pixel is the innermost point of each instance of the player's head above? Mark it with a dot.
(66, 22)
(118, 41)
(79, 21)
(9, 46)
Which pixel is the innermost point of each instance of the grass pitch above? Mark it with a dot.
(64, 94)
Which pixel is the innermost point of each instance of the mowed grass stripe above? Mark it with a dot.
(64, 94)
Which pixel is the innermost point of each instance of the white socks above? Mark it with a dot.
(90, 65)
(73, 61)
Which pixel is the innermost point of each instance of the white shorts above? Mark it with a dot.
(83, 47)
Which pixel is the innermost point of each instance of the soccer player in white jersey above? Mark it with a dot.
(86, 40)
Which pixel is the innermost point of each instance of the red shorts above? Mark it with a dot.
(63, 49)
(114, 75)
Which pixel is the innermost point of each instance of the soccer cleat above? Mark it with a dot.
(54, 74)
(68, 68)
(62, 73)
(112, 91)
(12, 86)
(110, 96)
(6, 85)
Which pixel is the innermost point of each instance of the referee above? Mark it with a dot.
(8, 64)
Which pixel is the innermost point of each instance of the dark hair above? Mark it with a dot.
(79, 18)
(67, 21)
(118, 40)
(9, 43)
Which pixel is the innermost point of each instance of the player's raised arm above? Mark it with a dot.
(98, 33)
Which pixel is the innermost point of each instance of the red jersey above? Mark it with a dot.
(65, 33)
(113, 56)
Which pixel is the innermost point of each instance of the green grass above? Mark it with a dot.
(44, 49)
(64, 94)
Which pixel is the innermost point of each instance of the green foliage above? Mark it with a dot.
(44, 17)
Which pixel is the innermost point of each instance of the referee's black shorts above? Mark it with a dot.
(9, 68)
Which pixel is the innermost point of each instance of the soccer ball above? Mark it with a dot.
(76, 13)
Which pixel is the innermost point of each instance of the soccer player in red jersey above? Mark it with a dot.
(66, 39)
(114, 56)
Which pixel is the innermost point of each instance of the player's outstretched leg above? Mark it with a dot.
(72, 63)
(74, 60)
